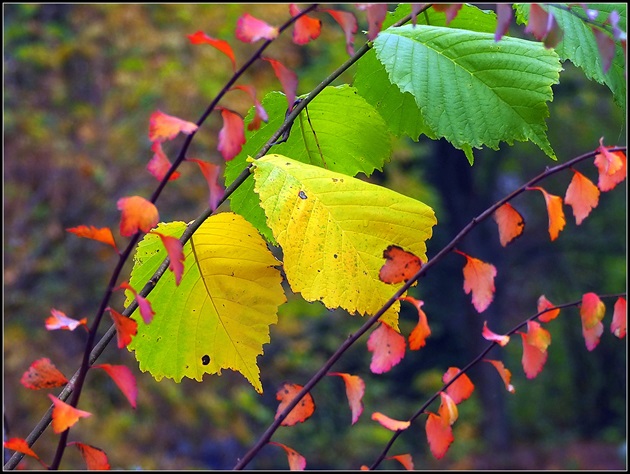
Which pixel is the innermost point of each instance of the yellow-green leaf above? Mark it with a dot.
(333, 229)
(219, 315)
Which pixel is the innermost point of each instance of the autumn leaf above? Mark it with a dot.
(95, 458)
(399, 266)
(505, 374)
(126, 328)
(554, 209)
(535, 344)
(200, 38)
(390, 423)
(543, 26)
(387, 347)
(288, 79)
(164, 127)
(349, 25)
(124, 379)
(104, 234)
(301, 412)
(459, 390)
(305, 28)
(21, 446)
(606, 47)
(487, 334)
(376, 13)
(211, 174)
(612, 167)
(59, 320)
(231, 135)
(297, 462)
(405, 459)
(355, 388)
(448, 411)
(439, 435)
(250, 29)
(592, 310)
(65, 416)
(137, 214)
(620, 318)
(479, 279)
(260, 114)
(592, 335)
(582, 195)
(543, 304)
(419, 334)
(504, 18)
(450, 9)
(144, 306)
(511, 223)
(176, 256)
(43, 374)
(159, 165)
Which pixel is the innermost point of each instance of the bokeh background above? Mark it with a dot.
(80, 82)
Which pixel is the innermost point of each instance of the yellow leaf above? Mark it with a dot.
(333, 230)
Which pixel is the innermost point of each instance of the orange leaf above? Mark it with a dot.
(200, 37)
(479, 279)
(124, 379)
(211, 173)
(592, 335)
(612, 167)
(146, 311)
(620, 318)
(301, 412)
(582, 195)
(390, 423)
(511, 223)
(355, 388)
(159, 165)
(250, 29)
(505, 374)
(297, 462)
(448, 409)
(399, 266)
(592, 310)
(64, 416)
(376, 13)
(451, 10)
(21, 446)
(439, 434)
(164, 127)
(404, 459)
(137, 214)
(388, 348)
(59, 320)
(126, 328)
(538, 336)
(288, 79)
(554, 209)
(104, 234)
(535, 344)
(43, 374)
(488, 335)
(260, 114)
(543, 304)
(349, 25)
(418, 336)
(231, 135)
(461, 389)
(305, 28)
(95, 458)
(176, 255)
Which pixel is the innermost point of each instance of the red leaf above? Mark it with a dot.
(612, 167)
(592, 335)
(376, 13)
(439, 434)
(104, 234)
(405, 459)
(260, 114)
(305, 28)
(355, 388)
(543, 26)
(504, 18)
(418, 336)
(250, 29)
(620, 319)
(288, 79)
(388, 348)
(349, 25)
(592, 310)
(505, 374)
(211, 173)
(606, 47)
(448, 409)
(124, 379)
(511, 223)
(301, 412)
(543, 304)
(582, 195)
(126, 328)
(297, 462)
(21, 446)
(95, 458)
(64, 416)
(459, 390)
(535, 344)
(137, 214)
(59, 320)
(451, 10)
(159, 165)
(231, 135)
(146, 311)
(176, 255)
(488, 335)
(399, 266)
(390, 423)
(479, 279)
(200, 37)
(164, 127)
(537, 336)
(43, 374)
(554, 209)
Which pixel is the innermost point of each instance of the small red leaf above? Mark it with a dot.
(376, 13)
(535, 344)
(388, 348)
(461, 389)
(301, 412)
(390, 423)
(231, 135)
(137, 214)
(543, 26)
(305, 28)
(399, 266)
(43, 374)
(479, 279)
(104, 234)
(418, 337)
(612, 167)
(176, 255)
(450, 9)
(592, 310)
(439, 434)
(505, 374)
(592, 335)
(200, 37)
(59, 320)
(159, 165)
(164, 127)
(606, 47)
(554, 210)
(250, 29)
(21, 446)
(146, 311)
(355, 388)
(288, 79)
(504, 18)
(95, 458)
(448, 411)
(582, 195)
(348, 23)
(543, 304)
(124, 379)
(488, 335)
(620, 318)
(297, 462)
(260, 114)
(64, 416)
(511, 223)
(126, 328)
(405, 459)
(211, 173)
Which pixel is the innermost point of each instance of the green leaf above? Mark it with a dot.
(470, 89)
(351, 134)
(333, 230)
(227, 299)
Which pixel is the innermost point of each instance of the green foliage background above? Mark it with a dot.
(80, 84)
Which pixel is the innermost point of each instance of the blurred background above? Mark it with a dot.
(80, 83)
